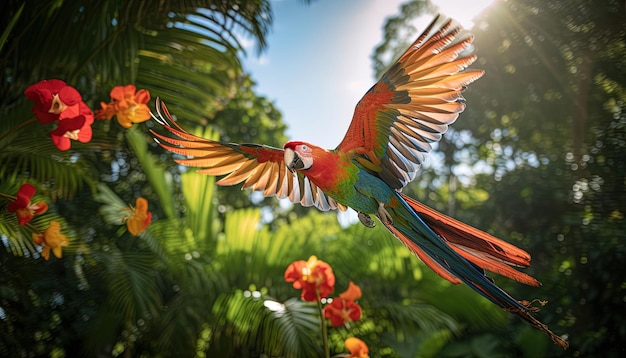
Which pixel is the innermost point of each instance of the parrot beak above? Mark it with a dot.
(292, 160)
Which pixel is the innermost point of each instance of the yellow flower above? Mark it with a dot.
(52, 239)
(139, 217)
(357, 348)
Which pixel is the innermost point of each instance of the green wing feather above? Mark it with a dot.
(412, 105)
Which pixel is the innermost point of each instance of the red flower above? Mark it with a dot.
(313, 277)
(23, 208)
(54, 101)
(127, 105)
(52, 98)
(138, 218)
(357, 348)
(343, 309)
(75, 128)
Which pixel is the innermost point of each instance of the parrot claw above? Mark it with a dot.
(366, 220)
(383, 214)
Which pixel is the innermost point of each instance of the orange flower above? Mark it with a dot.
(313, 277)
(138, 218)
(52, 240)
(23, 208)
(357, 348)
(343, 309)
(127, 105)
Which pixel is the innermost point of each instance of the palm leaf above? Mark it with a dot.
(240, 229)
(30, 156)
(299, 323)
(199, 191)
(133, 288)
(156, 173)
(187, 307)
(15, 239)
(161, 47)
(287, 329)
(405, 317)
(185, 69)
(9, 28)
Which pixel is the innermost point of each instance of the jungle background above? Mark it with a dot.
(544, 137)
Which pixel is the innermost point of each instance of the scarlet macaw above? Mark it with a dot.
(392, 129)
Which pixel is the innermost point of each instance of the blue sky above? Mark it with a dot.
(317, 65)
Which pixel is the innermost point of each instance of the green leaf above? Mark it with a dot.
(10, 25)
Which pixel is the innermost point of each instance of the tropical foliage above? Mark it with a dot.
(134, 256)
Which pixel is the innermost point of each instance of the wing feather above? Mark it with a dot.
(258, 167)
(239, 175)
(413, 103)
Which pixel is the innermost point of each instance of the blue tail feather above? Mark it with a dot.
(409, 227)
(408, 222)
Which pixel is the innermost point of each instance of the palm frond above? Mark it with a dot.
(15, 239)
(199, 191)
(113, 208)
(155, 172)
(187, 70)
(133, 285)
(414, 317)
(240, 230)
(9, 28)
(28, 156)
(187, 305)
(172, 238)
(171, 48)
(277, 329)
(299, 323)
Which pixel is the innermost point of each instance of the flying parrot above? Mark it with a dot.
(393, 128)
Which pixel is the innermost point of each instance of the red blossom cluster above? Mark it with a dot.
(55, 101)
(314, 277)
(136, 218)
(25, 210)
(344, 309)
(317, 281)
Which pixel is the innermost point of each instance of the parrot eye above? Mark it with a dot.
(304, 148)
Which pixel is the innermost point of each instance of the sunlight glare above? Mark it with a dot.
(462, 11)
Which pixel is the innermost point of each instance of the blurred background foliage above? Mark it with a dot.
(537, 159)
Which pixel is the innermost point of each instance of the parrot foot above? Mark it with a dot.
(366, 220)
(383, 214)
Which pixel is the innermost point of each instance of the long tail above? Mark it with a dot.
(459, 253)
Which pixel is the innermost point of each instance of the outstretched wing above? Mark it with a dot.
(259, 167)
(412, 104)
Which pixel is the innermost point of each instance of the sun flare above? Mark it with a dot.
(462, 11)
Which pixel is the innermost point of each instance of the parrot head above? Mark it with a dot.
(298, 155)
